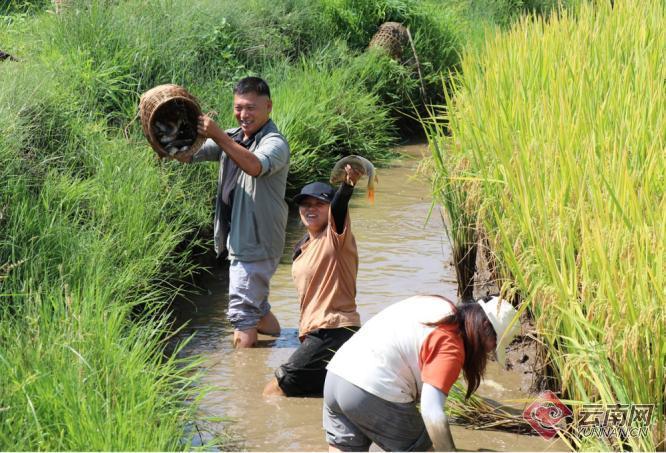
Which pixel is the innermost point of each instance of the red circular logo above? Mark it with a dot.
(545, 414)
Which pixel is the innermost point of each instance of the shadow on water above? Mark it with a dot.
(400, 256)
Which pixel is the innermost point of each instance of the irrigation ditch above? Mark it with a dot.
(400, 255)
(96, 238)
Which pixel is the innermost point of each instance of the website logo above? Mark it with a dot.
(547, 415)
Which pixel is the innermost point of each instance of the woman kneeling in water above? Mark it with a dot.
(415, 347)
(324, 270)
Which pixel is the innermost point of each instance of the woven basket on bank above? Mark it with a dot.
(169, 105)
(392, 37)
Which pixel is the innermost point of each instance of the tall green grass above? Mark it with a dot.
(83, 238)
(561, 129)
(328, 115)
(24, 6)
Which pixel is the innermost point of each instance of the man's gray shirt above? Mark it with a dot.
(258, 211)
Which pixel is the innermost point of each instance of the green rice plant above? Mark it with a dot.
(504, 13)
(482, 413)
(459, 202)
(561, 126)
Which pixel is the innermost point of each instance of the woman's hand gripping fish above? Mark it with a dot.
(360, 164)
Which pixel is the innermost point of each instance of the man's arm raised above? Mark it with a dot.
(245, 159)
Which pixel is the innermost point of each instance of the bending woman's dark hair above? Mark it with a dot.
(478, 336)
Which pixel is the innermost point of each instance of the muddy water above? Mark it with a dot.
(400, 255)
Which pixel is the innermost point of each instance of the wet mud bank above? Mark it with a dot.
(524, 357)
(400, 255)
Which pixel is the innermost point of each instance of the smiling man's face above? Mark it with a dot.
(252, 112)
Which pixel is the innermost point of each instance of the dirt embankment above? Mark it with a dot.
(523, 355)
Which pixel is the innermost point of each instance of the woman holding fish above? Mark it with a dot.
(324, 271)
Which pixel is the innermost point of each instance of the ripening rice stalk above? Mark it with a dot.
(481, 413)
(456, 196)
(562, 129)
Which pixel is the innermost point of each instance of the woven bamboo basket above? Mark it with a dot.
(162, 101)
(391, 37)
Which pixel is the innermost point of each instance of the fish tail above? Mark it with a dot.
(371, 195)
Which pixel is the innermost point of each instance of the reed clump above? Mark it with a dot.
(563, 125)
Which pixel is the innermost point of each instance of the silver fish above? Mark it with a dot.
(161, 127)
(361, 165)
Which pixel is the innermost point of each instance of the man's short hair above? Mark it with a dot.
(252, 85)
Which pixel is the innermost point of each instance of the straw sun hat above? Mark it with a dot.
(501, 314)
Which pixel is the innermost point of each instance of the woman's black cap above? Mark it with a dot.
(319, 190)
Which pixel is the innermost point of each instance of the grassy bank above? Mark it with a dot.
(90, 222)
(556, 154)
(83, 241)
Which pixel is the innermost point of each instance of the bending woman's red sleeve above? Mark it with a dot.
(442, 357)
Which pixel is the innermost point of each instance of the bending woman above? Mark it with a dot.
(416, 347)
(324, 271)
